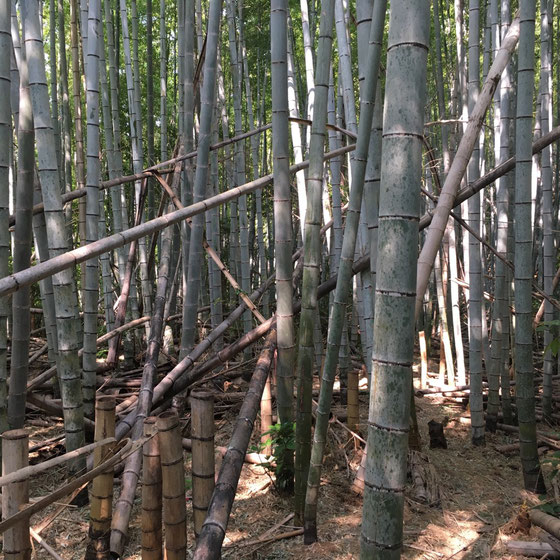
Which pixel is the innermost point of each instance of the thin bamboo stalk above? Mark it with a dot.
(202, 435)
(15, 456)
(101, 500)
(151, 494)
(210, 540)
(173, 486)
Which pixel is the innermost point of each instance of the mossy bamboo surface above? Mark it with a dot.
(173, 486)
(202, 435)
(101, 499)
(151, 494)
(15, 456)
(210, 540)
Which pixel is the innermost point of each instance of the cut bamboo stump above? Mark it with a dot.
(151, 494)
(202, 434)
(173, 486)
(209, 543)
(266, 416)
(101, 499)
(353, 403)
(15, 456)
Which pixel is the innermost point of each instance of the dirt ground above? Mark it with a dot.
(481, 497)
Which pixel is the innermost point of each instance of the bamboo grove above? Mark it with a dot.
(349, 181)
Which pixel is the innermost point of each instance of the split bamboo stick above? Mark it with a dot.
(173, 486)
(202, 434)
(15, 456)
(213, 531)
(151, 494)
(101, 500)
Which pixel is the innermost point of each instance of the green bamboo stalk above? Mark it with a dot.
(399, 205)
(532, 474)
(344, 278)
(312, 257)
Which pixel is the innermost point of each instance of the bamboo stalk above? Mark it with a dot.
(173, 486)
(213, 531)
(151, 494)
(15, 456)
(423, 359)
(353, 403)
(202, 434)
(101, 500)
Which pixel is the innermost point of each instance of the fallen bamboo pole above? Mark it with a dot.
(251, 458)
(15, 281)
(173, 486)
(101, 500)
(151, 494)
(209, 543)
(124, 448)
(15, 456)
(202, 434)
(33, 470)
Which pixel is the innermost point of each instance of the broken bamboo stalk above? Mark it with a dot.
(151, 494)
(173, 486)
(101, 500)
(203, 470)
(15, 456)
(209, 543)
(537, 549)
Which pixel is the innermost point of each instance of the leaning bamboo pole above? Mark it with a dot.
(101, 500)
(173, 486)
(151, 494)
(15, 456)
(202, 435)
(12, 283)
(210, 540)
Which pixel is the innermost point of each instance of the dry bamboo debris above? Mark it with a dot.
(213, 531)
(101, 500)
(151, 494)
(173, 486)
(15, 456)
(536, 549)
(202, 434)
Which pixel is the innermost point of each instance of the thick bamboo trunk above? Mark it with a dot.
(202, 435)
(15, 444)
(151, 494)
(213, 531)
(173, 486)
(101, 501)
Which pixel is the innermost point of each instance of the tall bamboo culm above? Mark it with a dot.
(15, 456)
(202, 434)
(101, 500)
(151, 494)
(532, 474)
(173, 486)
(393, 352)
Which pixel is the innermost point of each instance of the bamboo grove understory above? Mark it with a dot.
(310, 191)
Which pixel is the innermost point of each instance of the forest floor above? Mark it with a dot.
(481, 498)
